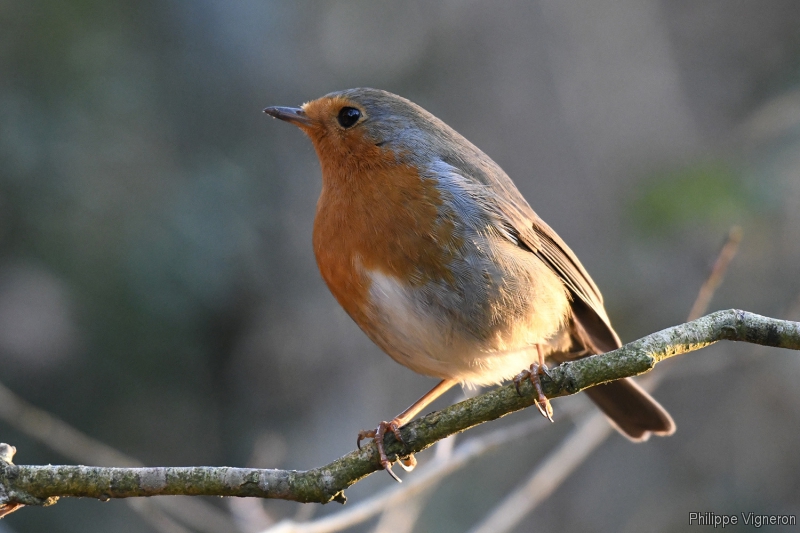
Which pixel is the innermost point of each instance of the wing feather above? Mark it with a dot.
(516, 220)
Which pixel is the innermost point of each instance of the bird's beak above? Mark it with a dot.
(294, 115)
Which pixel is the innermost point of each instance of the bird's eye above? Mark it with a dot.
(348, 116)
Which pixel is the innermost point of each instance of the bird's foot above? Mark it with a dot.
(542, 403)
(408, 463)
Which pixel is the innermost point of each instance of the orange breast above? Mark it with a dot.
(379, 216)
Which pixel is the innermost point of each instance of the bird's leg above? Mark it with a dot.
(542, 403)
(537, 369)
(399, 421)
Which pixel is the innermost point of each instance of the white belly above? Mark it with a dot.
(481, 340)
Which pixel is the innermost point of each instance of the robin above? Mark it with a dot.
(431, 249)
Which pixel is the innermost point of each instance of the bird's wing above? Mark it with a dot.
(542, 241)
(516, 220)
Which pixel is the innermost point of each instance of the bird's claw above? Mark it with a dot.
(546, 410)
(408, 463)
(364, 434)
(542, 403)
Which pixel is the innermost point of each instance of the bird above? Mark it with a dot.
(434, 253)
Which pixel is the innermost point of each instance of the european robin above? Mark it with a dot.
(434, 253)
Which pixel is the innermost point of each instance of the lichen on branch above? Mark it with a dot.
(42, 485)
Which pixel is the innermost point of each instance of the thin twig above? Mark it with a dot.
(57, 434)
(156, 517)
(547, 476)
(400, 519)
(718, 271)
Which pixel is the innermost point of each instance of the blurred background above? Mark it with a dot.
(158, 289)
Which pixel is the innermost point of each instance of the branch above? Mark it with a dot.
(717, 273)
(38, 485)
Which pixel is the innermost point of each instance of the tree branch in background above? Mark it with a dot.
(717, 274)
(37, 485)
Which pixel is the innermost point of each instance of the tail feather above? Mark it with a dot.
(632, 411)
